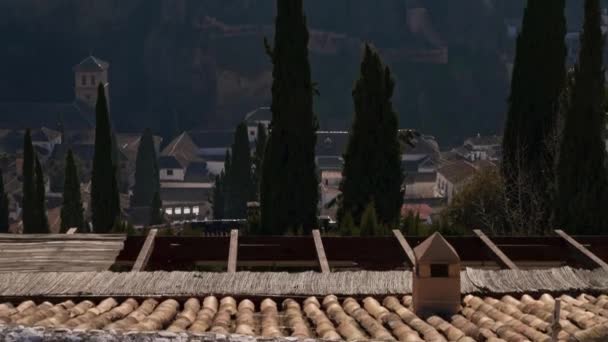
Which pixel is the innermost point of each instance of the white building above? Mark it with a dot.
(452, 177)
(481, 148)
(263, 116)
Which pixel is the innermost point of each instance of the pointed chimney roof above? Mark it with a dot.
(92, 64)
(436, 249)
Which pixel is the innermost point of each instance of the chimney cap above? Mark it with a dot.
(436, 249)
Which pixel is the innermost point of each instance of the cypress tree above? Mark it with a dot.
(581, 169)
(372, 162)
(147, 181)
(369, 221)
(71, 211)
(347, 225)
(122, 186)
(258, 159)
(156, 207)
(105, 201)
(240, 174)
(226, 185)
(218, 199)
(538, 77)
(289, 190)
(42, 222)
(28, 204)
(4, 222)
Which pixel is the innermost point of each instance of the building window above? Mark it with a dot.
(169, 211)
(178, 211)
(187, 211)
(92, 79)
(83, 80)
(195, 210)
(439, 271)
(170, 172)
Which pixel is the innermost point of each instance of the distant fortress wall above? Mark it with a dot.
(326, 42)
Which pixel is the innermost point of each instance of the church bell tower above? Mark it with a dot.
(88, 75)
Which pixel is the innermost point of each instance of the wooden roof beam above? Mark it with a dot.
(233, 252)
(316, 235)
(406, 247)
(502, 258)
(582, 249)
(145, 252)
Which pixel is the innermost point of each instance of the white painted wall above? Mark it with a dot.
(172, 174)
(215, 167)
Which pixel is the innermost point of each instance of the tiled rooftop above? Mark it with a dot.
(507, 318)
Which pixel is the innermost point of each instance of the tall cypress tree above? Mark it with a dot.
(240, 174)
(105, 201)
(42, 222)
(4, 222)
(538, 77)
(218, 199)
(369, 221)
(147, 181)
(581, 169)
(289, 191)
(372, 162)
(71, 211)
(258, 159)
(156, 207)
(226, 184)
(28, 204)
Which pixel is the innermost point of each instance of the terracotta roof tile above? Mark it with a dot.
(329, 318)
(457, 171)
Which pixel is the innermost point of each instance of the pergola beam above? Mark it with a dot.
(145, 252)
(582, 249)
(233, 252)
(406, 247)
(502, 257)
(316, 235)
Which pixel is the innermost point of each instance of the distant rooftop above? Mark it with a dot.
(212, 138)
(20, 115)
(257, 115)
(484, 140)
(457, 171)
(92, 64)
(168, 162)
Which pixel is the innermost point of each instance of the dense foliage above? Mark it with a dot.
(289, 186)
(71, 211)
(372, 162)
(156, 210)
(105, 201)
(28, 203)
(4, 212)
(42, 222)
(218, 198)
(33, 202)
(147, 178)
(239, 175)
(258, 160)
(539, 73)
(481, 204)
(581, 170)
